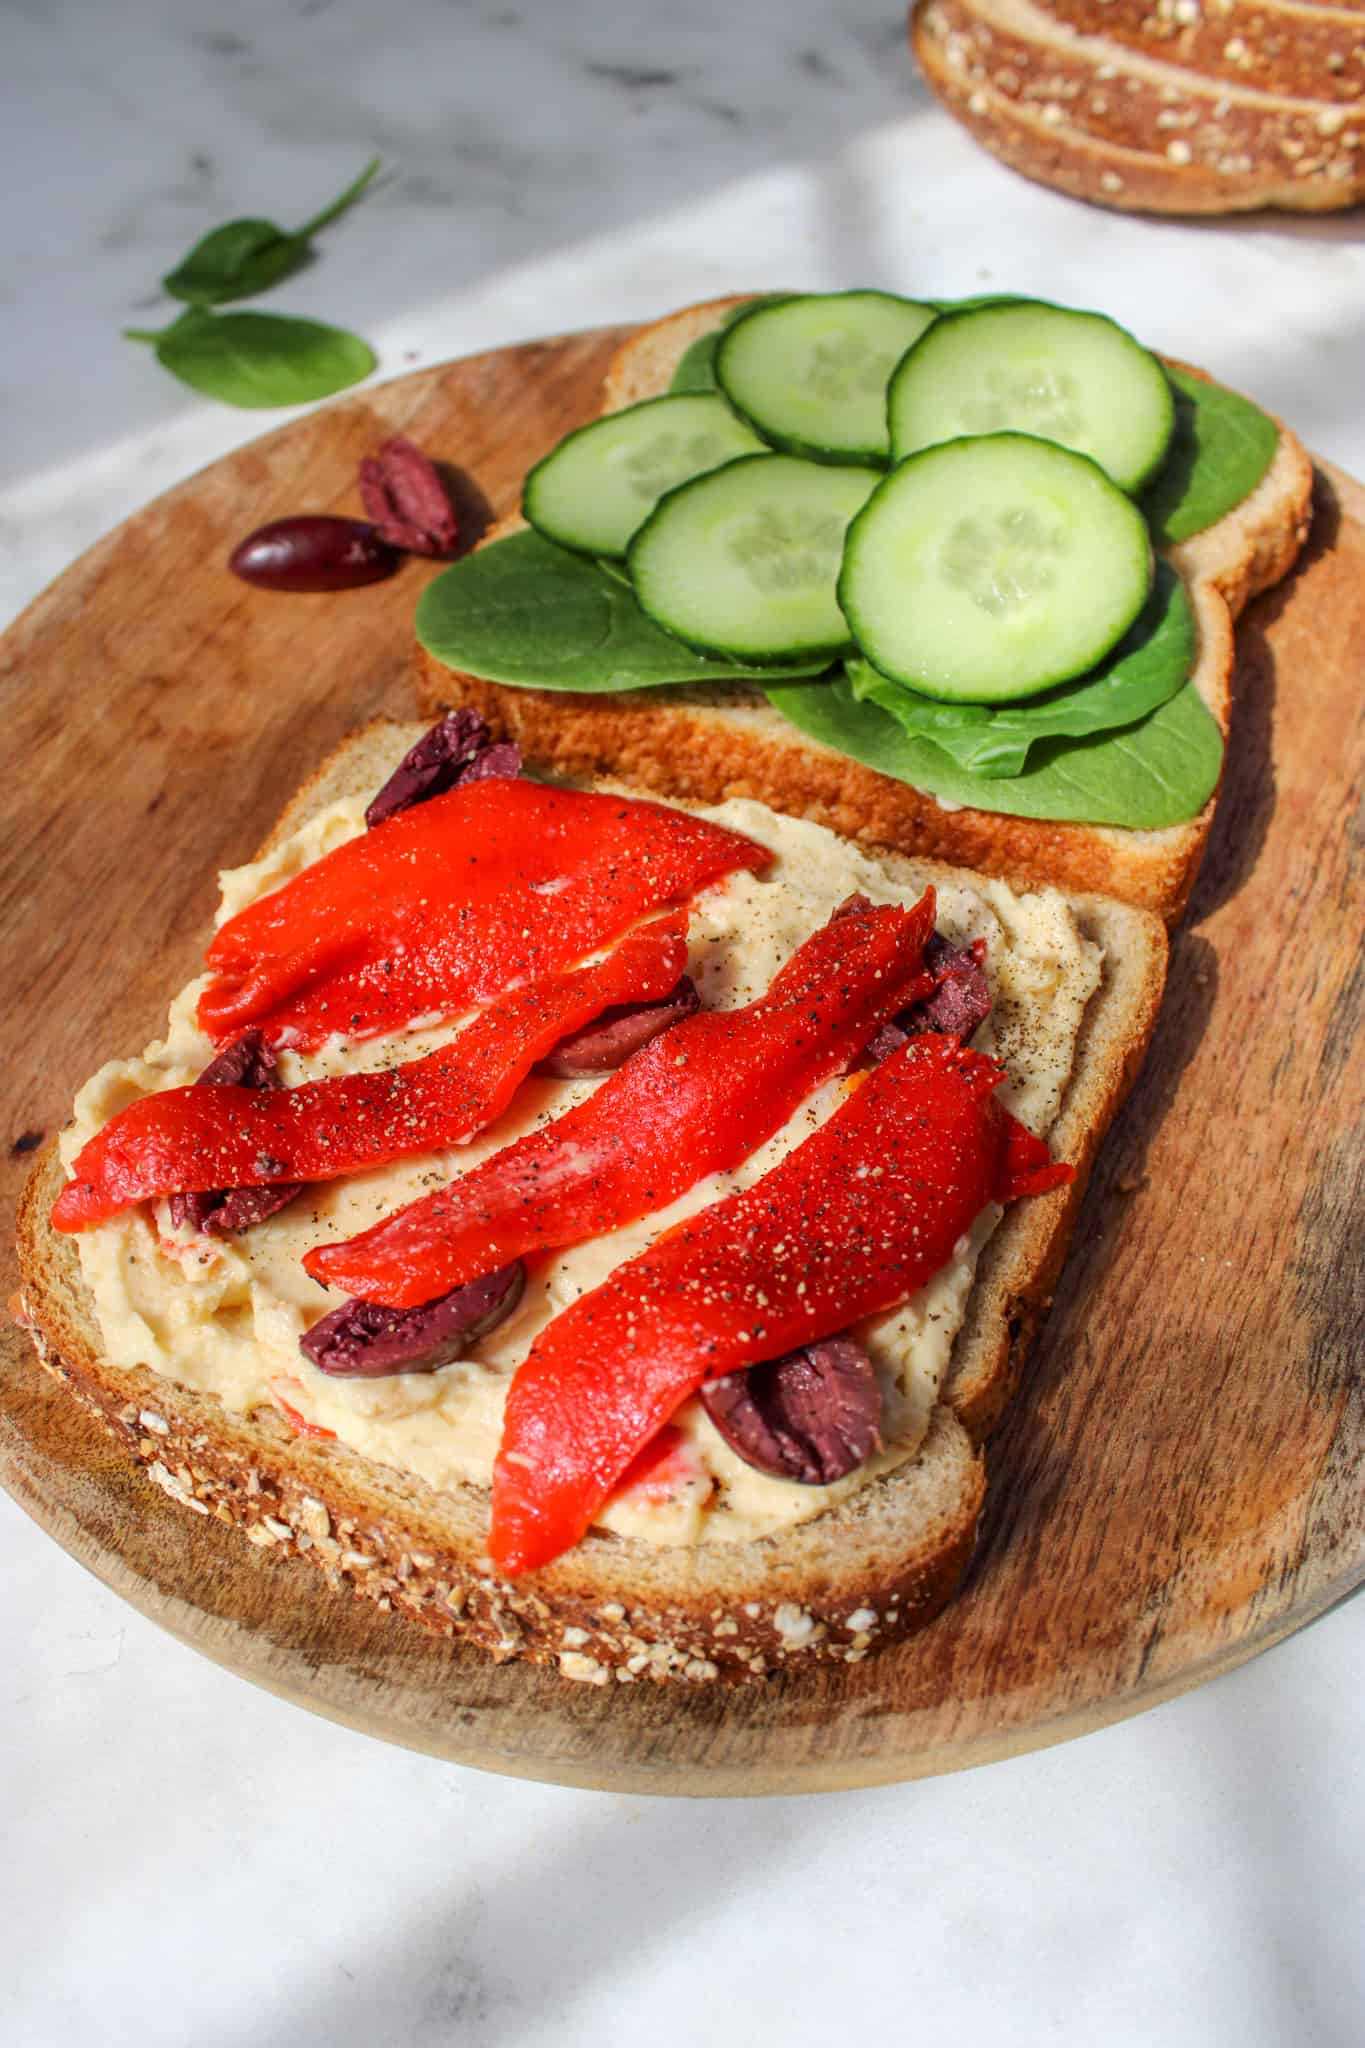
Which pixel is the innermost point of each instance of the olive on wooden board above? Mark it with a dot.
(313, 551)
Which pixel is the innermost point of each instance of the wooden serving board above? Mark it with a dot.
(1179, 1483)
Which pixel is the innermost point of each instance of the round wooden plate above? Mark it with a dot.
(1178, 1484)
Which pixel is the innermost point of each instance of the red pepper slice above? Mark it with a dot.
(660, 1471)
(447, 904)
(195, 1137)
(297, 1421)
(695, 1101)
(851, 1222)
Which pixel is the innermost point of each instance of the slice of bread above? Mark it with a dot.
(719, 742)
(1166, 108)
(882, 1562)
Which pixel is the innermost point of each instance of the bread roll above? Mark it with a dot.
(1177, 106)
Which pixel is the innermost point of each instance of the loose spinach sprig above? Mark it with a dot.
(244, 258)
(256, 359)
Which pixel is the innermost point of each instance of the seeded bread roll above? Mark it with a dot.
(880, 1563)
(1181, 106)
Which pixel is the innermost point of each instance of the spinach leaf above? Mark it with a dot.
(525, 611)
(617, 570)
(1149, 665)
(245, 257)
(258, 359)
(979, 299)
(1158, 772)
(1222, 447)
(696, 369)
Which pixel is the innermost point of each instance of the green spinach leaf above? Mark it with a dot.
(525, 611)
(1222, 447)
(696, 369)
(1149, 665)
(258, 359)
(245, 257)
(617, 570)
(979, 299)
(1158, 772)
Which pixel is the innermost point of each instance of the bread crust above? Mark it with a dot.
(705, 752)
(616, 1609)
(1152, 115)
(422, 1554)
(1284, 47)
(709, 745)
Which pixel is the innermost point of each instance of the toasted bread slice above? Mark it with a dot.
(722, 742)
(882, 1562)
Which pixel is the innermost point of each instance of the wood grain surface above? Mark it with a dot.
(1178, 1484)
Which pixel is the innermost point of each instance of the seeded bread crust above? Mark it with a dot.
(1154, 106)
(715, 743)
(617, 1609)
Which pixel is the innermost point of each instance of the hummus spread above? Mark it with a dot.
(225, 1316)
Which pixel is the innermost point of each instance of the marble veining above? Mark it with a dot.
(544, 167)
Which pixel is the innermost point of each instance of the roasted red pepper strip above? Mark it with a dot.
(191, 1138)
(661, 1470)
(695, 1101)
(851, 1222)
(447, 904)
(297, 1421)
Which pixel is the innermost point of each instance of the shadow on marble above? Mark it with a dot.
(506, 1956)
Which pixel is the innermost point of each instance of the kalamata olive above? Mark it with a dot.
(249, 1062)
(961, 999)
(313, 551)
(402, 491)
(361, 1340)
(813, 1415)
(457, 750)
(608, 1042)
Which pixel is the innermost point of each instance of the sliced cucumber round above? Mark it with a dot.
(992, 567)
(602, 482)
(811, 373)
(744, 562)
(1074, 378)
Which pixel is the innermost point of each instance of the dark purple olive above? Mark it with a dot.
(313, 551)
(402, 491)
(608, 1042)
(458, 749)
(813, 1415)
(249, 1062)
(362, 1341)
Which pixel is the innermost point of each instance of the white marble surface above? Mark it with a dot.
(184, 1858)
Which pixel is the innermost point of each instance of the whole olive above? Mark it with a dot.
(313, 551)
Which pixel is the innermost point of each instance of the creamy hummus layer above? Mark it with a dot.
(225, 1317)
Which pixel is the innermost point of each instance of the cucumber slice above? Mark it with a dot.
(525, 612)
(602, 482)
(993, 567)
(811, 373)
(744, 562)
(1145, 670)
(696, 369)
(1074, 378)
